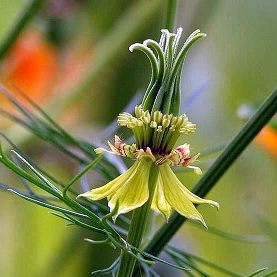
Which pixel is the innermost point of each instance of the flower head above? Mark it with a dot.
(156, 125)
(130, 190)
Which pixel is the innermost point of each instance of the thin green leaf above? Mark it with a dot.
(107, 270)
(158, 259)
(174, 250)
(255, 273)
(68, 213)
(22, 173)
(80, 174)
(234, 237)
(105, 241)
(28, 193)
(24, 181)
(61, 216)
(271, 273)
(47, 129)
(185, 261)
(85, 225)
(46, 174)
(37, 173)
(47, 205)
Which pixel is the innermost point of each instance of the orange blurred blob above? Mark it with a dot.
(268, 139)
(31, 65)
(42, 71)
(76, 58)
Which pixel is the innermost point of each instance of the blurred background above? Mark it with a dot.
(72, 59)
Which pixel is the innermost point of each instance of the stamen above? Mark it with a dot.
(153, 124)
(157, 117)
(157, 130)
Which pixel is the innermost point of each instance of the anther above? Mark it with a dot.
(153, 124)
(159, 129)
(157, 116)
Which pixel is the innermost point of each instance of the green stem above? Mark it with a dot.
(137, 227)
(81, 173)
(170, 12)
(239, 143)
(27, 14)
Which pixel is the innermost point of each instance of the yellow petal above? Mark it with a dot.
(134, 193)
(176, 196)
(111, 187)
(159, 203)
(191, 196)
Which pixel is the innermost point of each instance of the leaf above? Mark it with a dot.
(48, 130)
(149, 272)
(81, 173)
(107, 270)
(36, 172)
(47, 205)
(271, 273)
(31, 162)
(234, 237)
(172, 250)
(181, 260)
(62, 216)
(24, 174)
(7, 188)
(154, 258)
(66, 212)
(257, 272)
(34, 195)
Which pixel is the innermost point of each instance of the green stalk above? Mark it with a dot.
(170, 11)
(239, 143)
(137, 227)
(27, 14)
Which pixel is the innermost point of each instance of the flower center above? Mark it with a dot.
(157, 131)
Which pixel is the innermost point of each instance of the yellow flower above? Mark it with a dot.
(156, 125)
(130, 190)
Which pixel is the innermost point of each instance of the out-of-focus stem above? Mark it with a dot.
(27, 14)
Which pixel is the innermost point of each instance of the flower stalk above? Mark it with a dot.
(138, 225)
